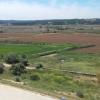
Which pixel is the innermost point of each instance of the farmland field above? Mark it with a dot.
(68, 73)
(50, 49)
(30, 49)
(54, 38)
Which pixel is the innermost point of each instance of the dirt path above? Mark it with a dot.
(12, 93)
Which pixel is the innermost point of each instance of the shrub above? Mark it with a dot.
(80, 94)
(18, 69)
(24, 62)
(12, 59)
(34, 77)
(22, 66)
(1, 68)
(17, 79)
(59, 79)
(1, 56)
(39, 66)
(24, 56)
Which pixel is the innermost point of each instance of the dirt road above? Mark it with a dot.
(12, 93)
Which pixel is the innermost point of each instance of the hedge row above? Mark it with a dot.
(45, 53)
(80, 47)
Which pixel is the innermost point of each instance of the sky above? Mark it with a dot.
(49, 9)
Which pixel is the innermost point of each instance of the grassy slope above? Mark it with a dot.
(58, 83)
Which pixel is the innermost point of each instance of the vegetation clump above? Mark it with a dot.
(18, 69)
(17, 79)
(34, 77)
(12, 59)
(39, 66)
(80, 94)
(1, 68)
(24, 60)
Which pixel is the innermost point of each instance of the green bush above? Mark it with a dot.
(1, 56)
(24, 62)
(1, 68)
(80, 94)
(34, 77)
(59, 79)
(17, 79)
(12, 59)
(23, 56)
(39, 66)
(18, 69)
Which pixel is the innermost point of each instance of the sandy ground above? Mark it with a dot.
(12, 93)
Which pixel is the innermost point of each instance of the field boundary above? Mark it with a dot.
(73, 72)
(60, 50)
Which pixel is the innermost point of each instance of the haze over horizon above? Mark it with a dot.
(48, 9)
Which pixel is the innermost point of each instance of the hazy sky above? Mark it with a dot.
(49, 9)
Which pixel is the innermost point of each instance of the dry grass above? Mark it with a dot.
(98, 77)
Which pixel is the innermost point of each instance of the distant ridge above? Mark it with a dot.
(94, 21)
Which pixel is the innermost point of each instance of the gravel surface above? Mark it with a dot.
(12, 93)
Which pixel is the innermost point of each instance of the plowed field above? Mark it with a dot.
(55, 38)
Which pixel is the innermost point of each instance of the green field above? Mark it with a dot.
(53, 80)
(30, 48)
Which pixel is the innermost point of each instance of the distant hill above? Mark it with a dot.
(51, 22)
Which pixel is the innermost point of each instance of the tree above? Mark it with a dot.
(1, 68)
(12, 59)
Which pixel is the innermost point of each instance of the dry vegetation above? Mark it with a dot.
(50, 28)
(98, 77)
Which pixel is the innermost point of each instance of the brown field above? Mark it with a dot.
(55, 38)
